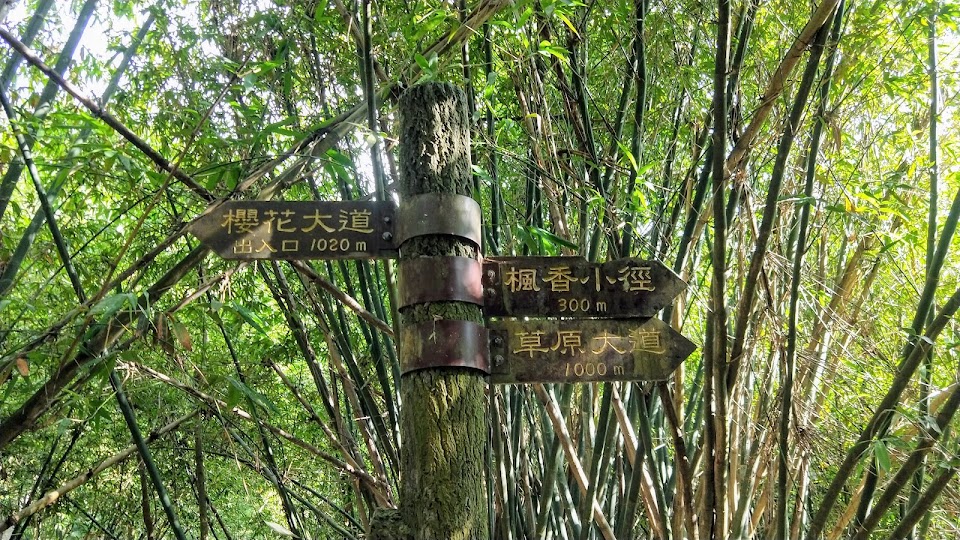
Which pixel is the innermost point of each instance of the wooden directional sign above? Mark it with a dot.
(298, 229)
(573, 287)
(583, 351)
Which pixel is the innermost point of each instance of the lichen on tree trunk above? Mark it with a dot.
(443, 421)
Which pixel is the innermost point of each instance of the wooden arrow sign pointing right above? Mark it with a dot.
(572, 287)
(582, 351)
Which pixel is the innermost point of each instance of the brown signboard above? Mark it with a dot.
(584, 351)
(573, 287)
(298, 229)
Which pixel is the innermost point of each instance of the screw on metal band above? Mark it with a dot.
(444, 343)
(439, 213)
(439, 279)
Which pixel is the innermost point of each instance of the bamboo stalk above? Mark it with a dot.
(214, 404)
(777, 82)
(51, 497)
(576, 468)
(787, 386)
(715, 350)
(909, 468)
(33, 28)
(64, 60)
(882, 414)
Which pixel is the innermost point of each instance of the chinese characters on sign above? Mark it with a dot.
(298, 230)
(591, 350)
(559, 278)
(598, 323)
(571, 343)
(573, 287)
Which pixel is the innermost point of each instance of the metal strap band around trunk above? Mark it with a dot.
(439, 279)
(444, 343)
(439, 213)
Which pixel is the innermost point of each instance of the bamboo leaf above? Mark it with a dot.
(181, 333)
(255, 397)
(248, 316)
(280, 529)
(551, 239)
(110, 305)
(567, 22)
(882, 453)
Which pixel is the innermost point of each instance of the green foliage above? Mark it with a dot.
(260, 100)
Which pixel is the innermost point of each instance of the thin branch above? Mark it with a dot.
(52, 496)
(107, 118)
(777, 83)
(881, 415)
(341, 297)
(220, 406)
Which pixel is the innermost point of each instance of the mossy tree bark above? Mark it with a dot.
(443, 421)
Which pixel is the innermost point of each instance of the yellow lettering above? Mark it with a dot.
(530, 342)
(569, 342)
(521, 280)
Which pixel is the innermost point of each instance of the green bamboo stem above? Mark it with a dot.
(33, 28)
(811, 165)
(58, 239)
(12, 175)
(786, 392)
(933, 156)
(910, 467)
(748, 15)
(641, 7)
(924, 503)
(499, 464)
(715, 350)
(881, 416)
(550, 469)
(496, 202)
(598, 460)
(513, 415)
(745, 20)
(635, 457)
(777, 83)
(9, 273)
(573, 461)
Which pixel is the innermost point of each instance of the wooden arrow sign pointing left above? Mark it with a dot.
(298, 229)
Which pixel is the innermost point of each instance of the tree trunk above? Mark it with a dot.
(443, 420)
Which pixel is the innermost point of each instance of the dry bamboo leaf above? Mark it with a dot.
(23, 367)
(181, 333)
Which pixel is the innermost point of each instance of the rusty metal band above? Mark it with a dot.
(439, 213)
(439, 279)
(436, 344)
